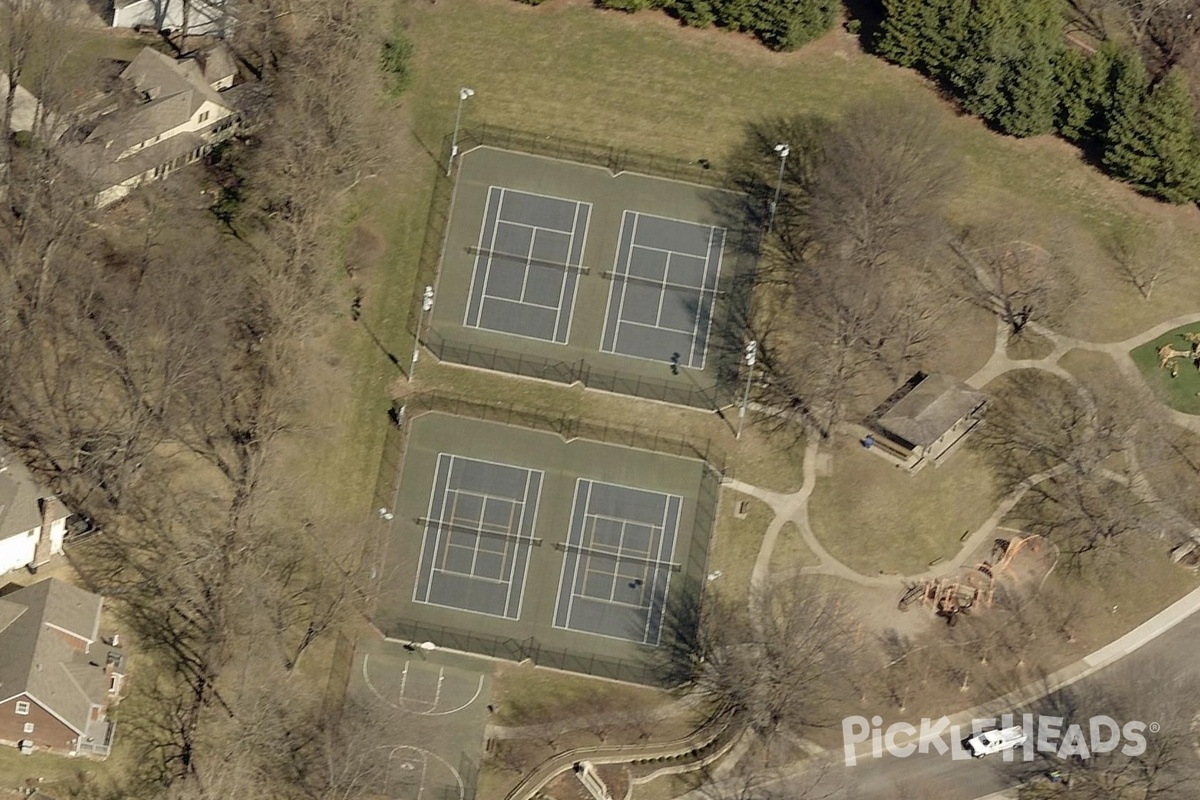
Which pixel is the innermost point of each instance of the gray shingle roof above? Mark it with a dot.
(19, 495)
(36, 660)
(930, 409)
(172, 92)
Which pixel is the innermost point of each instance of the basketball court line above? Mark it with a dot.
(404, 681)
(425, 756)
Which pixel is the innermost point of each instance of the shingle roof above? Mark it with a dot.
(36, 660)
(174, 91)
(19, 495)
(929, 409)
(216, 63)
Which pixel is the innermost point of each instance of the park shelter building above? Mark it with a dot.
(923, 420)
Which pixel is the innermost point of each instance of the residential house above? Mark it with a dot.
(204, 17)
(164, 114)
(32, 521)
(25, 107)
(57, 679)
(923, 420)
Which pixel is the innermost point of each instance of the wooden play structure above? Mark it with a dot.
(1167, 354)
(951, 595)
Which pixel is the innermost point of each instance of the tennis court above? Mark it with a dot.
(570, 273)
(526, 265)
(663, 286)
(477, 536)
(617, 561)
(519, 544)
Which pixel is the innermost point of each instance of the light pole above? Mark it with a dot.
(751, 360)
(784, 151)
(426, 305)
(464, 94)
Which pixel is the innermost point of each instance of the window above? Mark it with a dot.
(28, 727)
(203, 117)
(21, 707)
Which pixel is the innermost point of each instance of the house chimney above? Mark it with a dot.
(50, 508)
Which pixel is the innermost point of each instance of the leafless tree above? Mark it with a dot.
(884, 171)
(785, 668)
(1079, 444)
(1167, 766)
(1019, 281)
(1139, 258)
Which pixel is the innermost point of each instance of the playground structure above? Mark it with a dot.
(1168, 354)
(952, 595)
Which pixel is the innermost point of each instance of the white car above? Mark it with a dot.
(996, 740)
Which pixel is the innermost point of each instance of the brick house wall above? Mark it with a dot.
(48, 731)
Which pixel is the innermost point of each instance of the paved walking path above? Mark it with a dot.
(793, 508)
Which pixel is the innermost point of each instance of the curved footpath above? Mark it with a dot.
(793, 507)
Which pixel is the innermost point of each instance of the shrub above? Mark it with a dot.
(396, 60)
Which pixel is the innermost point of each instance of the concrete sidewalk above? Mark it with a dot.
(1160, 623)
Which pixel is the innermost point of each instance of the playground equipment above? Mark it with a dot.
(952, 595)
(1168, 354)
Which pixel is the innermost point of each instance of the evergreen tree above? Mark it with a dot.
(1085, 88)
(1157, 146)
(1126, 146)
(1005, 68)
(787, 24)
(903, 35)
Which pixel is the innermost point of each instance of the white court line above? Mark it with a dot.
(625, 284)
(437, 470)
(462, 787)
(674, 542)
(532, 529)
(616, 323)
(579, 482)
(431, 713)
(512, 567)
(703, 280)
(662, 295)
(443, 523)
(716, 287)
(529, 263)
(582, 251)
(690, 222)
(487, 261)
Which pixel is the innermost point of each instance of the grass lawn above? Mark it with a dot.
(1181, 393)
(791, 553)
(874, 517)
(567, 68)
(736, 543)
(527, 696)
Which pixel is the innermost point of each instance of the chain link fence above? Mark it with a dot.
(565, 425)
(587, 663)
(615, 159)
(514, 362)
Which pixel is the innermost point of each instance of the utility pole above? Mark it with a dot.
(751, 355)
